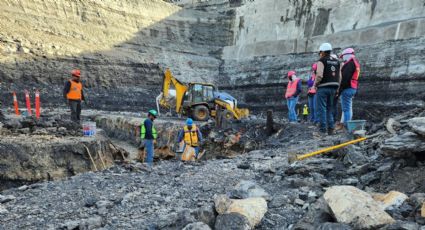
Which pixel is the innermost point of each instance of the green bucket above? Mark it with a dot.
(355, 125)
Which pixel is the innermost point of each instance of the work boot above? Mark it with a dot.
(339, 126)
(331, 131)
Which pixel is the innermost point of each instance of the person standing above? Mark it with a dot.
(293, 91)
(191, 135)
(326, 83)
(148, 134)
(73, 93)
(305, 113)
(350, 73)
(311, 94)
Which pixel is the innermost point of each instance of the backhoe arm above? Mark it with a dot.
(180, 91)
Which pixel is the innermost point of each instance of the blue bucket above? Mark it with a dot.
(355, 125)
(89, 129)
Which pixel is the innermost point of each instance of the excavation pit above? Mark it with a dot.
(33, 151)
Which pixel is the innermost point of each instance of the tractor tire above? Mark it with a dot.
(201, 113)
(227, 115)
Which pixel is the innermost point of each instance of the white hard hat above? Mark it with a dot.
(325, 47)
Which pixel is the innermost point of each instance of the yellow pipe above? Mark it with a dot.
(304, 156)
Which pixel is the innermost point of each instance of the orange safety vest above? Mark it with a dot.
(291, 88)
(75, 91)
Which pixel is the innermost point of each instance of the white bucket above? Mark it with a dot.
(89, 129)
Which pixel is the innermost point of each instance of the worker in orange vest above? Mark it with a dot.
(73, 93)
(293, 90)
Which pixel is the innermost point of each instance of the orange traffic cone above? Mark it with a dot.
(28, 102)
(15, 104)
(37, 104)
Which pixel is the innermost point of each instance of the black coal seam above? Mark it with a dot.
(270, 85)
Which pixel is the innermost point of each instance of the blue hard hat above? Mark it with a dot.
(189, 121)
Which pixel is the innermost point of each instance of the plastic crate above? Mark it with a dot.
(355, 125)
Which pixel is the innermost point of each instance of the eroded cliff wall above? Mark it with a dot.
(274, 36)
(244, 46)
(120, 47)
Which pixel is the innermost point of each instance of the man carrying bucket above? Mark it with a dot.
(192, 136)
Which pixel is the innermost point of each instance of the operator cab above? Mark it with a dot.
(198, 98)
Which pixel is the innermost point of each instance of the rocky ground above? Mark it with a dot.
(266, 191)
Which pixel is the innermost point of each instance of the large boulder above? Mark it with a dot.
(404, 145)
(417, 124)
(253, 209)
(234, 221)
(206, 214)
(247, 189)
(391, 200)
(222, 203)
(355, 207)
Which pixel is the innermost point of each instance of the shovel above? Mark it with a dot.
(292, 157)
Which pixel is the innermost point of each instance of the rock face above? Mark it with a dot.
(275, 36)
(356, 208)
(119, 46)
(243, 46)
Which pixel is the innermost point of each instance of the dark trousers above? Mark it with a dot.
(75, 107)
(326, 107)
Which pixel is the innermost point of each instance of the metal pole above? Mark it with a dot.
(304, 156)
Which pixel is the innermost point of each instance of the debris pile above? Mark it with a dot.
(255, 190)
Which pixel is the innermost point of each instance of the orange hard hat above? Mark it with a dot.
(76, 73)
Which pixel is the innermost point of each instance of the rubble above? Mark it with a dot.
(417, 124)
(404, 145)
(197, 226)
(355, 207)
(234, 221)
(391, 200)
(248, 189)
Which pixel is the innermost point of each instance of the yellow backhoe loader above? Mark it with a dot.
(197, 100)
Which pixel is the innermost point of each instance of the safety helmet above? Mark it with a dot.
(153, 112)
(76, 73)
(347, 51)
(314, 66)
(305, 105)
(325, 47)
(189, 121)
(291, 73)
